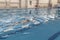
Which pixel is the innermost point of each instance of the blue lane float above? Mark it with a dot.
(16, 25)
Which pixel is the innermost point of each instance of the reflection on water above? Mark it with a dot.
(21, 19)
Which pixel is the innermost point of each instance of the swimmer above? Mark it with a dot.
(30, 12)
(25, 21)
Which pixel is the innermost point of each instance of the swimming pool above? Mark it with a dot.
(49, 24)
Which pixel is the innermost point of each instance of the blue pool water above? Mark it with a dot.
(49, 30)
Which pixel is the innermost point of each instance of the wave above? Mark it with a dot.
(16, 23)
